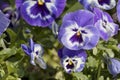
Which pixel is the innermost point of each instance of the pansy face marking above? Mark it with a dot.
(105, 4)
(108, 29)
(101, 2)
(72, 60)
(78, 36)
(72, 63)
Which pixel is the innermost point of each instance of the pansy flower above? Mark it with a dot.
(113, 65)
(35, 51)
(77, 30)
(118, 10)
(10, 13)
(72, 61)
(4, 22)
(105, 24)
(103, 4)
(41, 12)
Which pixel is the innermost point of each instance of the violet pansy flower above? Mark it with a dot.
(103, 4)
(72, 61)
(35, 51)
(10, 13)
(118, 10)
(105, 24)
(4, 22)
(77, 31)
(41, 12)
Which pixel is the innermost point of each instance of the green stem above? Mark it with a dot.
(99, 69)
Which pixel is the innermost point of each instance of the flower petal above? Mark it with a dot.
(31, 44)
(41, 62)
(118, 10)
(26, 49)
(4, 22)
(80, 17)
(18, 3)
(93, 36)
(114, 66)
(103, 4)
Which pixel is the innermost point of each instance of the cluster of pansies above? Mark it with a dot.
(80, 30)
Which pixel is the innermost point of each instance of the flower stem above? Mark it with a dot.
(99, 69)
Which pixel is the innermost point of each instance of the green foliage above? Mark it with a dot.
(15, 64)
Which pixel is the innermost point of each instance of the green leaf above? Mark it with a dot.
(73, 7)
(110, 52)
(12, 78)
(80, 76)
(10, 67)
(95, 51)
(12, 35)
(6, 53)
(101, 78)
(2, 73)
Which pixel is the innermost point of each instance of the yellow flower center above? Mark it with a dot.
(40, 2)
(70, 62)
(78, 33)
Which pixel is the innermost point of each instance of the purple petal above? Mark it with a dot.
(71, 53)
(4, 22)
(26, 49)
(98, 14)
(4, 5)
(118, 10)
(114, 66)
(93, 36)
(60, 5)
(19, 3)
(82, 17)
(60, 53)
(87, 4)
(31, 44)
